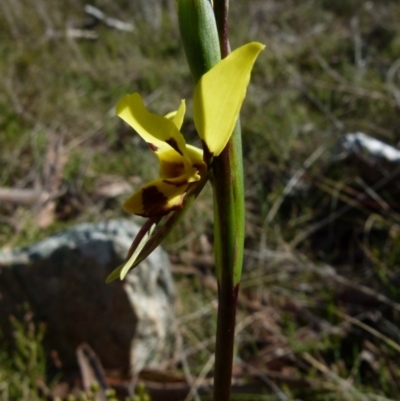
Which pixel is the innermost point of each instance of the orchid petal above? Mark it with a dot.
(177, 116)
(159, 132)
(158, 197)
(219, 95)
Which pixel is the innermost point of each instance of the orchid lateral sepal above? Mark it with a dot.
(136, 247)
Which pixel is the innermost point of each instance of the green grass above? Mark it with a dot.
(328, 68)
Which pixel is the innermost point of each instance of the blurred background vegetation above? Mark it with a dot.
(319, 307)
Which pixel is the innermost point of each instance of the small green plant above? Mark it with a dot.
(22, 370)
(141, 394)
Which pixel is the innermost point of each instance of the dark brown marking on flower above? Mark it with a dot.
(153, 147)
(171, 169)
(174, 145)
(207, 155)
(199, 166)
(153, 201)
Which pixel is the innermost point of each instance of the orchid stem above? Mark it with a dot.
(221, 8)
(229, 238)
(204, 31)
(229, 234)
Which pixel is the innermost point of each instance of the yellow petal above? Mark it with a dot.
(158, 197)
(159, 132)
(219, 95)
(177, 116)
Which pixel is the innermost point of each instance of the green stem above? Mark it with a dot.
(204, 33)
(227, 300)
(228, 242)
(228, 233)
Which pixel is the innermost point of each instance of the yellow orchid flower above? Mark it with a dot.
(218, 97)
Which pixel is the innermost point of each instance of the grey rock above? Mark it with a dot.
(129, 324)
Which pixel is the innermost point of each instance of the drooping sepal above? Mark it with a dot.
(136, 248)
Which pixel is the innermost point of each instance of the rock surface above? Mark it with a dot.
(129, 324)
